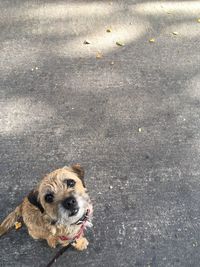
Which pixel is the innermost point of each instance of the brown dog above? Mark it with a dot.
(58, 210)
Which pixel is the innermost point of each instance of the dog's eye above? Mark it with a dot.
(49, 198)
(70, 182)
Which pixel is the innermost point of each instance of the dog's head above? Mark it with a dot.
(63, 196)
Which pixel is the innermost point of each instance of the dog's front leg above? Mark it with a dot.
(52, 241)
(41, 234)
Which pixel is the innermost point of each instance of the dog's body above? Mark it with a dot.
(58, 210)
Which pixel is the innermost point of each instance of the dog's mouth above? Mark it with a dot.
(83, 218)
(73, 212)
(71, 216)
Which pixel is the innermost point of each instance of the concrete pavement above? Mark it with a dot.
(129, 114)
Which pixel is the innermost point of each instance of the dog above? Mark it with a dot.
(58, 210)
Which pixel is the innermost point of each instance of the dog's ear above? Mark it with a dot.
(33, 199)
(79, 171)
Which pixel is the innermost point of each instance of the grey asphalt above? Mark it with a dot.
(129, 114)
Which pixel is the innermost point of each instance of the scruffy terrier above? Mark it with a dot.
(58, 209)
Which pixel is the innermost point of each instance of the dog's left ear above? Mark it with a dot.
(79, 171)
(33, 199)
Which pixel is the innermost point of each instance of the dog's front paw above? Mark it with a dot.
(81, 243)
(52, 241)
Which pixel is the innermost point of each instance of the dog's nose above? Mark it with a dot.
(70, 203)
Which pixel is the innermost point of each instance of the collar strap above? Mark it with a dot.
(79, 234)
(33, 199)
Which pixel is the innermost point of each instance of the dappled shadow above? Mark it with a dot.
(60, 104)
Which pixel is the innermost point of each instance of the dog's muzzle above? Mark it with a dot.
(71, 205)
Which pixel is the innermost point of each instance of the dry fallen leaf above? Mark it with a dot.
(152, 40)
(99, 55)
(195, 244)
(18, 225)
(120, 43)
(86, 42)
(175, 33)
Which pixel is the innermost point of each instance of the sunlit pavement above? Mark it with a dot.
(115, 86)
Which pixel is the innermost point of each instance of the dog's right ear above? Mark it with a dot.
(78, 169)
(33, 199)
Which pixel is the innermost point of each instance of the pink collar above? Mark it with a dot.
(80, 231)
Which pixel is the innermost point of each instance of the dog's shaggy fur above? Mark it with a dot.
(57, 210)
